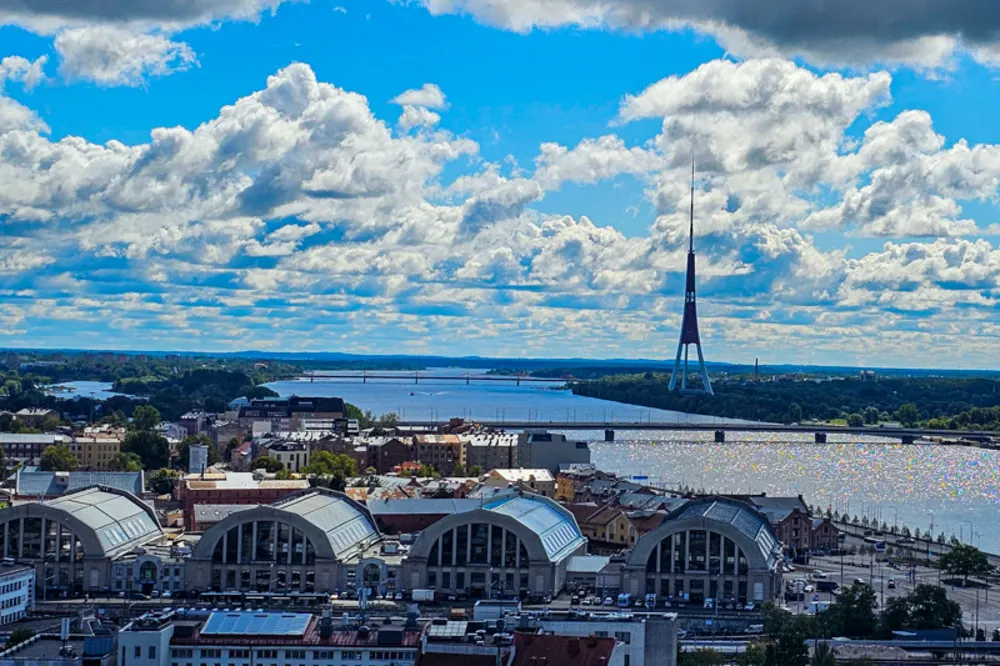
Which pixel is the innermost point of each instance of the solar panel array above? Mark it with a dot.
(259, 624)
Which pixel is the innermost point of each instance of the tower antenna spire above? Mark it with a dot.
(689, 325)
(691, 230)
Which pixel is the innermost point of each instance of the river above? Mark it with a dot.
(955, 488)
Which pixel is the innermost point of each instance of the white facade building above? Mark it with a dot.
(17, 592)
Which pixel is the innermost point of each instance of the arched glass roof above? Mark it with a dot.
(554, 526)
(118, 519)
(346, 524)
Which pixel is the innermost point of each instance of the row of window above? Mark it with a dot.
(315, 655)
(7, 588)
(478, 543)
(13, 601)
(477, 579)
(697, 550)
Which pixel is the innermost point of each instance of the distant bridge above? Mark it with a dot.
(820, 432)
(415, 377)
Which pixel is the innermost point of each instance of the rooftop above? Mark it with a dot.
(347, 524)
(583, 564)
(119, 519)
(552, 650)
(215, 513)
(555, 526)
(522, 475)
(423, 506)
(253, 628)
(739, 515)
(53, 484)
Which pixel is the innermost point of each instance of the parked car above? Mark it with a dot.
(891, 584)
(860, 581)
(608, 601)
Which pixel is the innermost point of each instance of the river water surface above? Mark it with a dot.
(955, 489)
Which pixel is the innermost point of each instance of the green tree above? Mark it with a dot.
(152, 448)
(964, 560)
(58, 458)
(855, 420)
(895, 615)
(476, 470)
(283, 474)
(752, 656)
(870, 415)
(427, 471)
(908, 414)
(268, 464)
(794, 413)
(930, 608)
(823, 656)
(145, 417)
(162, 481)
(324, 463)
(852, 614)
(18, 636)
(125, 462)
(459, 470)
(789, 634)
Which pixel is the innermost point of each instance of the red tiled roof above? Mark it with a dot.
(548, 650)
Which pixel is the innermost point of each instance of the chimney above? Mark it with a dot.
(573, 646)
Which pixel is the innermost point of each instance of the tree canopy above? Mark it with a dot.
(145, 417)
(965, 560)
(324, 463)
(151, 447)
(184, 450)
(948, 403)
(57, 458)
(125, 462)
(268, 464)
(162, 481)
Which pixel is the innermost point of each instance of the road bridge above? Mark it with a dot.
(415, 377)
(820, 431)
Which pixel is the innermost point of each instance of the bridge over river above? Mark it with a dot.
(820, 431)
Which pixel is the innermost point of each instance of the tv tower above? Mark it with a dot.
(689, 327)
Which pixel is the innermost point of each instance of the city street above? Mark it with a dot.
(878, 576)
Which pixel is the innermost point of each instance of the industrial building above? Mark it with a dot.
(519, 544)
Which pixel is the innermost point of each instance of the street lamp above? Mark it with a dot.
(972, 530)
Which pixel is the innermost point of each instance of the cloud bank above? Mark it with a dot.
(297, 219)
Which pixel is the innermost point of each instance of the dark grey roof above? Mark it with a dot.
(423, 506)
(778, 503)
(46, 483)
(740, 515)
(119, 520)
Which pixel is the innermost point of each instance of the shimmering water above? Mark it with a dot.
(955, 488)
(83, 389)
(484, 400)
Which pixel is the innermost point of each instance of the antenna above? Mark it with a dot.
(691, 231)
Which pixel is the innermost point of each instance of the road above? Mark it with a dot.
(878, 577)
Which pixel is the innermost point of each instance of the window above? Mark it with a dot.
(138, 651)
(432, 578)
(624, 636)
(152, 652)
(267, 654)
(347, 655)
(295, 654)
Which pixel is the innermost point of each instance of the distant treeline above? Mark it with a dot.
(937, 402)
(173, 385)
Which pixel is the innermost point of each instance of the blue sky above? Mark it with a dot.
(498, 178)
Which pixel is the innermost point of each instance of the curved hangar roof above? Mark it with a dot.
(733, 514)
(106, 520)
(549, 531)
(337, 525)
(555, 526)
